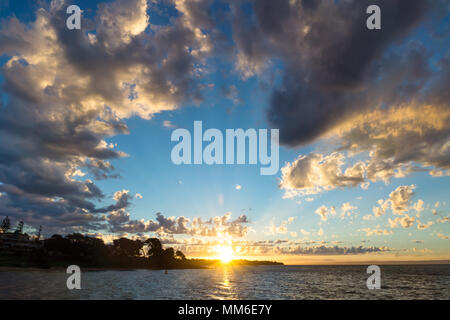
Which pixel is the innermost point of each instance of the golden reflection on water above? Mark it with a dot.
(226, 277)
(226, 286)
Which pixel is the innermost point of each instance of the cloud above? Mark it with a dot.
(304, 232)
(336, 250)
(369, 217)
(219, 226)
(168, 124)
(334, 67)
(324, 212)
(352, 86)
(122, 202)
(282, 228)
(422, 226)
(405, 221)
(315, 173)
(70, 91)
(444, 219)
(381, 209)
(418, 206)
(232, 93)
(101, 169)
(389, 144)
(424, 250)
(439, 173)
(320, 232)
(347, 209)
(370, 232)
(399, 201)
(398, 139)
(245, 248)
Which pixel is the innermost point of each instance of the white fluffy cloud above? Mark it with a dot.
(282, 228)
(422, 226)
(347, 209)
(405, 221)
(324, 212)
(315, 173)
(399, 201)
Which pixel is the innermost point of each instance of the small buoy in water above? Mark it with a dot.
(165, 272)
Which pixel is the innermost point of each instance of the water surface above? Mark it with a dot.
(233, 282)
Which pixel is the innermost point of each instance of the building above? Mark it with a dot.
(18, 242)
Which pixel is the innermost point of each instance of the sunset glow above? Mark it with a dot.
(224, 253)
(313, 140)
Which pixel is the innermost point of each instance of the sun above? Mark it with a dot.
(224, 253)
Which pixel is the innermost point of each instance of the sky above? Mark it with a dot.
(363, 116)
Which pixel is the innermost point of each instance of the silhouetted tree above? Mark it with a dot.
(39, 233)
(6, 224)
(78, 248)
(169, 254)
(19, 229)
(155, 247)
(127, 247)
(87, 246)
(57, 244)
(91, 251)
(180, 255)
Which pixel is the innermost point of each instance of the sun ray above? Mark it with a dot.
(224, 253)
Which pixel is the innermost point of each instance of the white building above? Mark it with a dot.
(11, 242)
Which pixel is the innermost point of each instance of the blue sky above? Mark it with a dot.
(238, 95)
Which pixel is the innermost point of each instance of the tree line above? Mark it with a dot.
(123, 252)
(88, 251)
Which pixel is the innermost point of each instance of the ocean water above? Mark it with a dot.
(231, 282)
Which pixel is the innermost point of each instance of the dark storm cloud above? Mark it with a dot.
(383, 92)
(101, 169)
(122, 202)
(56, 216)
(332, 61)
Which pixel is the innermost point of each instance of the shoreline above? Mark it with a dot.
(87, 269)
(99, 269)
